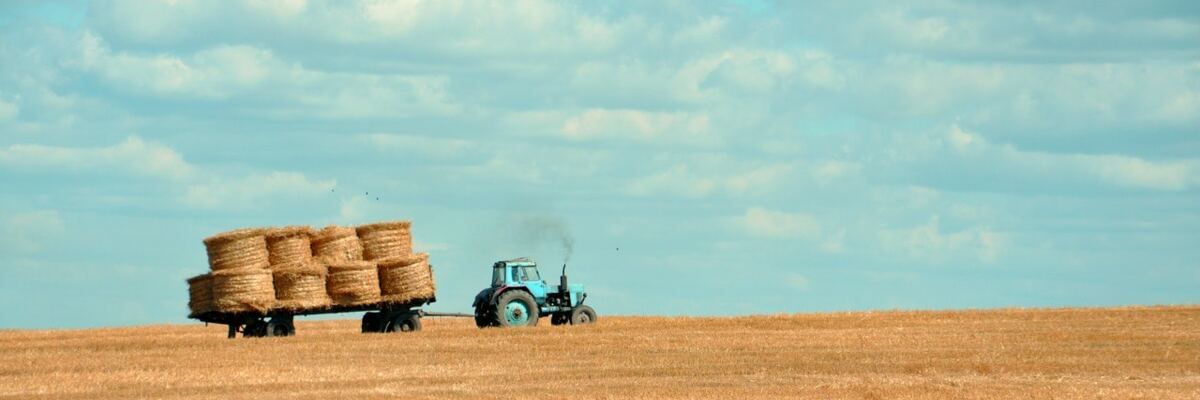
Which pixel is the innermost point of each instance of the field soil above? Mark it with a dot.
(1125, 353)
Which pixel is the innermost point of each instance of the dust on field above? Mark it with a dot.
(1151, 353)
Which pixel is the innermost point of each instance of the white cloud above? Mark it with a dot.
(31, 231)
(929, 242)
(682, 180)
(250, 191)
(216, 72)
(8, 110)
(834, 171)
(1110, 169)
(796, 281)
(279, 8)
(133, 157)
(420, 146)
(638, 125)
(772, 224)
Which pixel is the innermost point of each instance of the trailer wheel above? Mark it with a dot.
(258, 328)
(280, 329)
(560, 318)
(516, 308)
(583, 315)
(410, 322)
(371, 322)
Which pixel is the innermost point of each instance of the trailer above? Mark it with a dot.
(379, 317)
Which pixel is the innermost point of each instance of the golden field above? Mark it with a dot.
(1124, 353)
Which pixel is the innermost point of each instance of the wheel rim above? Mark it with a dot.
(516, 313)
(406, 326)
(584, 318)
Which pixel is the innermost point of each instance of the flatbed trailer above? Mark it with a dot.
(379, 317)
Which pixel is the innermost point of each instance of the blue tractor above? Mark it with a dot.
(518, 297)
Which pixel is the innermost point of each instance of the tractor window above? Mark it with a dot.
(531, 274)
(498, 276)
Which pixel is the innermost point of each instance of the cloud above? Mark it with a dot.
(772, 224)
(682, 180)
(31, 231)
(795, 281)
(217, 72)
(8, 110)
(929, 242)
(643, 126)
(132, 157)
(420, 146)
(251, 190)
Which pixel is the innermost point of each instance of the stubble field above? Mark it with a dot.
(1150, 353)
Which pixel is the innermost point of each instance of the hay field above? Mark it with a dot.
(1150, 353)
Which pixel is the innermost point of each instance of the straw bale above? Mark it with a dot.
(353, 283)
(406, 279)
(289, 245)
(300, 286)
(200, 295)
(243, 290)
(241, 248)
(380, 244)
(335, 244)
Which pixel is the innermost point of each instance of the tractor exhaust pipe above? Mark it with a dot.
(562, 280)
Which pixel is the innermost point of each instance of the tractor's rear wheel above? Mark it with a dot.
(484, 317)
(560, 318)
(583, 315)
(410, 322)
(516, 308)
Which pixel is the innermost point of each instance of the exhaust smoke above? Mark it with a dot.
(536, 230)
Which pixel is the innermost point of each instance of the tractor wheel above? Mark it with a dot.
(560, 318)
(483, 317)
(516, 308)
(410, 322)
(583, 315)
(371, 322)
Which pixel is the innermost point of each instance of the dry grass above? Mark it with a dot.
(1150, 353)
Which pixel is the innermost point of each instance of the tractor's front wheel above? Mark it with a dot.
(516, 308)
(583, 315)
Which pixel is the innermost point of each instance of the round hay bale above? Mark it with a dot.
(289, 245)
(243, 290)
(300, 286)
(406, 279)
(385, 239)
(353, 283)
(200, 295)
(334, 244)
(241, 248)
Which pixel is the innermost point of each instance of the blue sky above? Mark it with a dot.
(707, 158)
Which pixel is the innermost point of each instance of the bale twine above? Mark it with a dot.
(406, 279)
(243, 290)
(385, 239)
(335, 244)
(353, 283)
(289, 245)
(300, 286)
(200, 295)
(236, 249)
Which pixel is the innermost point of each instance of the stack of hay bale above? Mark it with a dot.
(240, 280)
(299, 279)
(404, 277)
(297, 269)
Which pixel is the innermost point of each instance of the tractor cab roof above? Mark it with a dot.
(517, 262)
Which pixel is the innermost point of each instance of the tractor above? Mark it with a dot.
(518, 297)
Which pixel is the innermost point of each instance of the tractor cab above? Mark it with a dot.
(519, 296)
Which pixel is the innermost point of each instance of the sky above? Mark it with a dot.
(701, 157)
